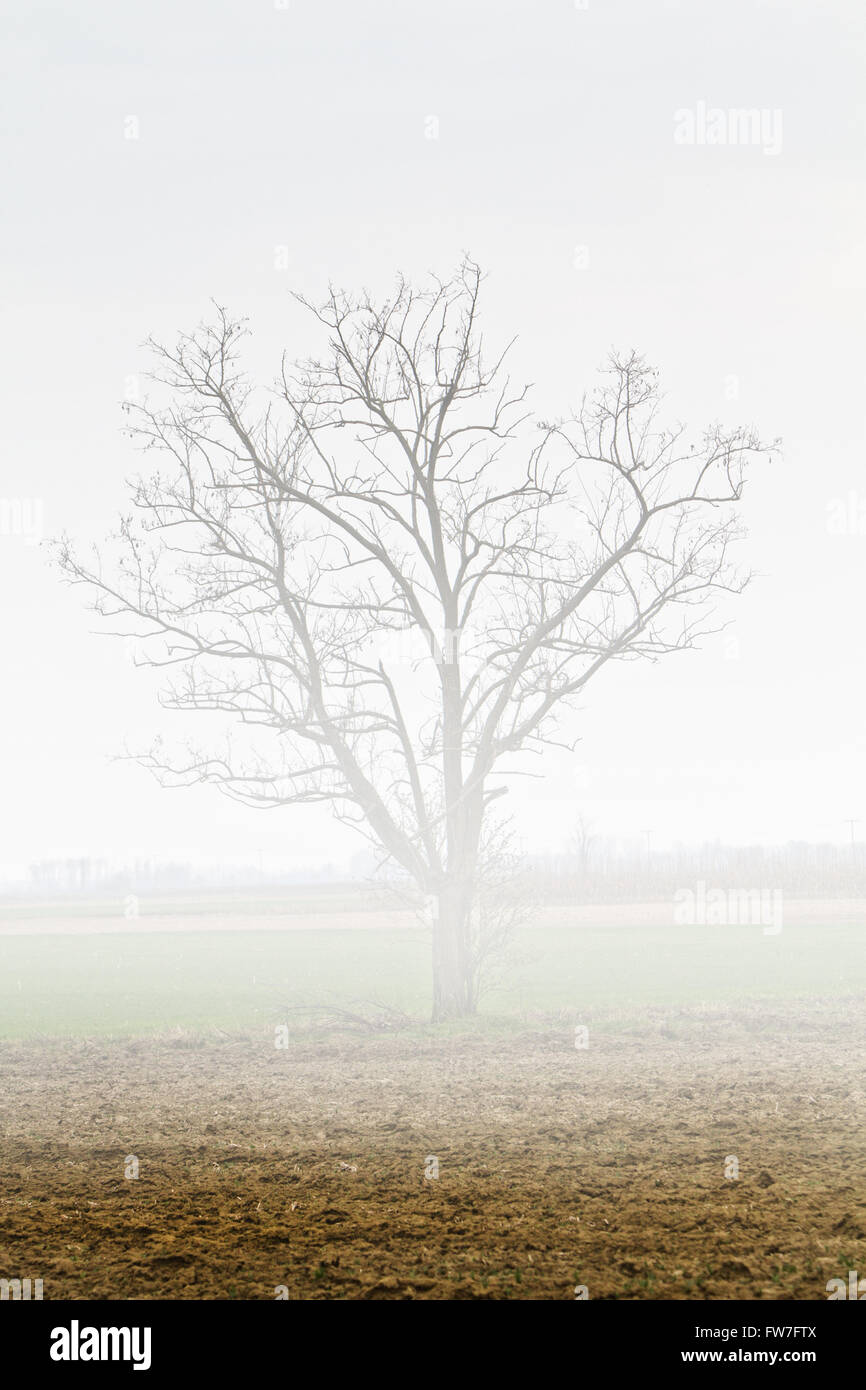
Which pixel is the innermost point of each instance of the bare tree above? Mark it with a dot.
(582, 840)
(399, 489)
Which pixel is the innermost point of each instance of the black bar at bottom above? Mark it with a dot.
(225, 1338)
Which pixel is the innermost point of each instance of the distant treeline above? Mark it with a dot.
(596, 871)
(63, 877)
(607, 872)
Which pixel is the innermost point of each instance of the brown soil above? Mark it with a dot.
(557, 1166)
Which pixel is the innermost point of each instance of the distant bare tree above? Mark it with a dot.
(582, 841)
(296, 540)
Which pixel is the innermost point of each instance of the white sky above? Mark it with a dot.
(305, 127)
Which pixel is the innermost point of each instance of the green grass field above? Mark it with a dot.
(126, 983)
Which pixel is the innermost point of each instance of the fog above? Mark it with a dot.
(278, 149)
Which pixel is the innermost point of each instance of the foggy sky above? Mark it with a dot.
(555, 165)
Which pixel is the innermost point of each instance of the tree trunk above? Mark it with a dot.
(453, 975)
